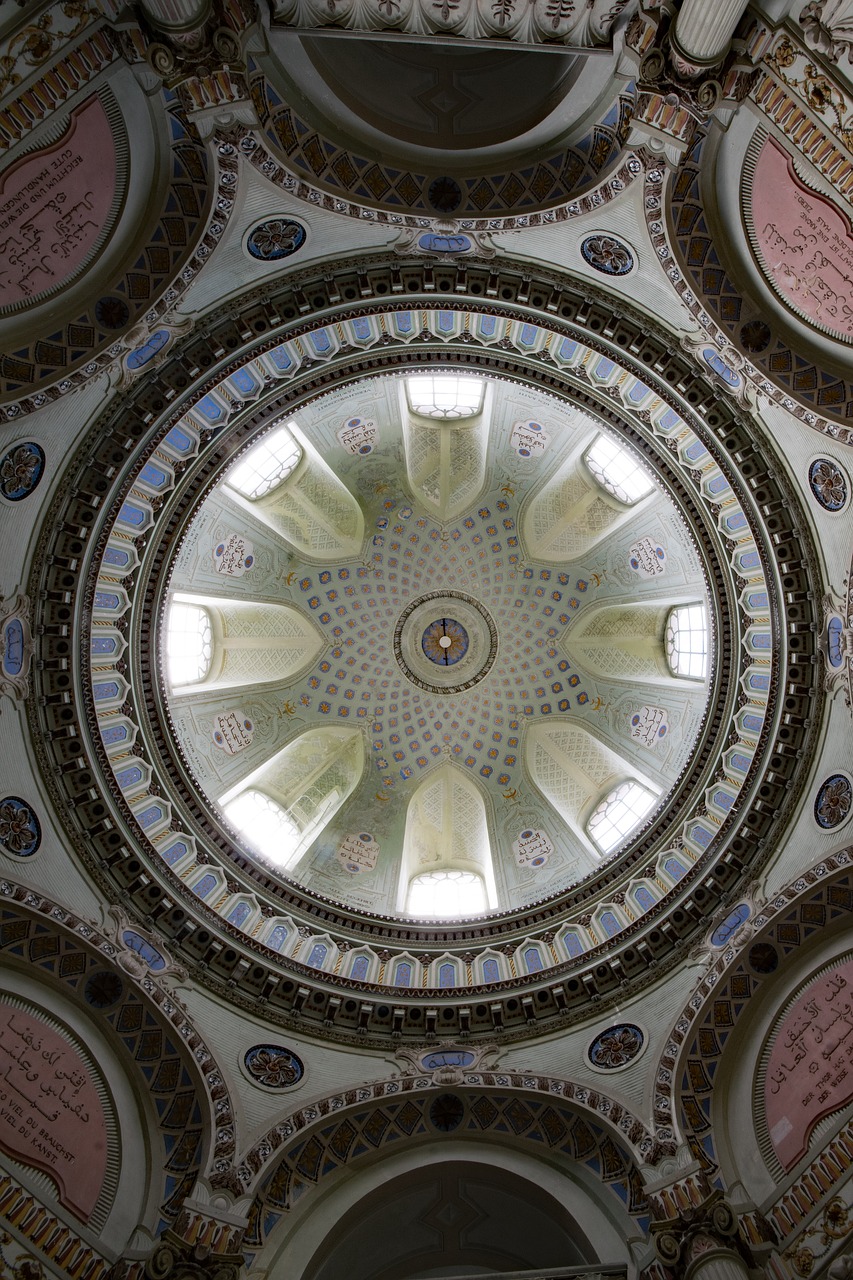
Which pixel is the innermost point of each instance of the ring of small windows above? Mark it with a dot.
(686, 641)
(266, 466)
(618, 471)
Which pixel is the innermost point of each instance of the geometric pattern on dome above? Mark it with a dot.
(533, 603)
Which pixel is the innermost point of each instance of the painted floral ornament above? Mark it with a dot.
(616, 1047)
(273, 1066)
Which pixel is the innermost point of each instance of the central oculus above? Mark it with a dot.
(445, 641)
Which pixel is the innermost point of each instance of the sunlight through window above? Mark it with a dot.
(265, 826)
(618, 470)
(618, 814)
(266, 466)
(445, 396)
(189, 643)
(442, 894)
(686, 641)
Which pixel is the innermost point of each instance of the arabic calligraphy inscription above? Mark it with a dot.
(810, 1069)
(51, 1115)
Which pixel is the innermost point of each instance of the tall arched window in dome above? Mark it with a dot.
(686, 641)
(442, 894)
(618, 814)
(189, 643)
(445, 396)
(266, 825)
(447, 858)
(266, 466)
(618, 470)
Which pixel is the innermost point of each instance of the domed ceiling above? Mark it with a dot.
(433, 644)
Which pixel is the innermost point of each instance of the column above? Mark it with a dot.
(703, 31)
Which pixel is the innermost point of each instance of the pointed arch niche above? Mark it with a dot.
(581, 504)
(575, 772)
(446, 455)
(446, 839)
(282, 808)
(308, 506)
(239, 643)
(627, 642)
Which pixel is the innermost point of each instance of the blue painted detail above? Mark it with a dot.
(447, 975)
(714, 361)
(610, 924)
(533, 960)
(752, 723)
(277, 938)
(487, 325)
(140, 357)
(644, 898)
(491, 973)
(361, 329)
(675, 868)
(149, 954)
(132, 515)
(115, 733)
(573, 944)
(567, 349)
(446, 322)
(835, 642)
(149, 816)
(320, 341)
(128, 776)
(670, 420)
(739, 762)
(205, 886)
(432, 243)
(403, 975)
(104, 690)
(732, 922)
(529, 334)
(107, 600)
(179, 441)
(103, 644)
(446, 1058)
(239, 914)
(117, 557)
(154, 477)
(638, 393)
(210, 408)
(243, 382)
(280, 358)
(723, 800)
(360, 967)
(317, 956)
(13, 647)
(695, 451)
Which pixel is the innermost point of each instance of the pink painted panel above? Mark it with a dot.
(810, 1069)
(803, 242)
(51, 1115)
(54, 204)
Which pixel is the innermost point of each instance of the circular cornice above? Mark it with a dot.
(104, 823)
(438, 652)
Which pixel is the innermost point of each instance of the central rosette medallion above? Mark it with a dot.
(445, 641)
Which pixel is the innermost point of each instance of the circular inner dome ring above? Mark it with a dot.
(450, 631)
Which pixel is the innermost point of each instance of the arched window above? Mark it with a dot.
(686, 641)
(266, 466)
(189, 643)
(445, 395)
(442, 894)
(621, 810)
(619, 471)
(265, 826)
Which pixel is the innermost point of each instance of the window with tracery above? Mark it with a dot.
(189, 643)
(441, 894)
(445, 395)
(265, 825)
(618, 814)
(619, 471)
(686, 641)
(266, 466)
